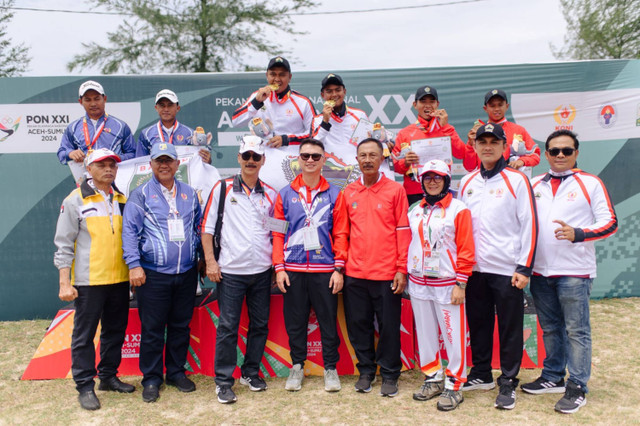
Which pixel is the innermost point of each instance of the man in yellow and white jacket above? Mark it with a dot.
(94, 275)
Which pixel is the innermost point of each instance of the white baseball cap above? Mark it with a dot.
(169, 94)
(438, 167)
(90, 85)
(101, 154)
(252, 143)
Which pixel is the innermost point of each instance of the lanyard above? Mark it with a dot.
(423, 240)
(161, 132)
(308, 211)
(248, 191)
(85, 128)
(173, 209)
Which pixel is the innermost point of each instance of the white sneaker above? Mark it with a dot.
(331, 380)
(294, 381)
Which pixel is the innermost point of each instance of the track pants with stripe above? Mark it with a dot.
(429, 315)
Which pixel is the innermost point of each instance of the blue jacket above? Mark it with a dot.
(115, 136)
(145, 232)
(150, 136)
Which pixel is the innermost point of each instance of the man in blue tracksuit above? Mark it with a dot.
(160, 239)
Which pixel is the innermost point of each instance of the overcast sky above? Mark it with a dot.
(474, 33)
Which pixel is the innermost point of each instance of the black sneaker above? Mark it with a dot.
(225, 394)
(478, 383)
(183, 383)
(506, 399)
(363, 385)
(541, 385)
(574, 398)
(255, 383)
(389, 387)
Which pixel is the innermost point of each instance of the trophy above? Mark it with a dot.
(261, 128)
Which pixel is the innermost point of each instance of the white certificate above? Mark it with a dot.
(432, 149)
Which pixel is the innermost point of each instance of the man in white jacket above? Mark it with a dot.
(575, 211)
(505, 228)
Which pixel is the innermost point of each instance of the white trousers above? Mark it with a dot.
(430, 315)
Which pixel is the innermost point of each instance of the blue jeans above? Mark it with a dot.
(232, 291)
(562, 304)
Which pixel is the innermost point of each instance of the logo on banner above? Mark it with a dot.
(564, 116)
(607, 115)
(8, 126)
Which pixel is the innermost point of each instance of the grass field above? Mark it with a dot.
(614, 396)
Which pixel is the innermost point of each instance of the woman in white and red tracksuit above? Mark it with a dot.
(441, 258)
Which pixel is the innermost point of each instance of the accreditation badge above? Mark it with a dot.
(176, 229)
(310, 238)
(275, 225)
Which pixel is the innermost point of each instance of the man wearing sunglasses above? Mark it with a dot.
(309, 258)
(505, 227)
(243, 269)
(575, 211)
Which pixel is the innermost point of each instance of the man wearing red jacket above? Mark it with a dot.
(496, 106)
(376, 268)
(432, 123)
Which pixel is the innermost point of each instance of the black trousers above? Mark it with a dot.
(108, 304)
(307, 290)
(165, 302)
(486, 296)
(364, 300)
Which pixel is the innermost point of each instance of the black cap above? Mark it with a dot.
(425, 91)
(331, 79)
(279, 61)
(495, 92)
(491, 129)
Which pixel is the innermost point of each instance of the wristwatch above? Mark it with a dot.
(461, 285)
(339, 269)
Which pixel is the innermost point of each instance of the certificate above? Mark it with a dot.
(432, 149)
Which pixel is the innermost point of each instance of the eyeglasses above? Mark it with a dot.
(249, 154)
(304, 156)
(436, 178)
(565, 151)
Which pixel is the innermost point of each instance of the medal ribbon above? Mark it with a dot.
(85, 128)
(161, 132)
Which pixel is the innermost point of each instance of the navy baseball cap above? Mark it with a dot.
(495, 92)
(426, 91)
(279, 61)
(491, 129)
(160, 149)
(331, 79)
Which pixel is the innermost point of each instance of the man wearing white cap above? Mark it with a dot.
(96, 129)
(243, 269)
(160, 240)
(168, 129)
(89, 228)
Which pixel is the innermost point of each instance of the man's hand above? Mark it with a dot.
(518, 280)
(565, 232)
(411, 158)
(399, 283)
(471, 136)
(213, 271)
(67, 292)
(205, 154)
(137, 276)
(442, 116)
(275, 142)
(263, 93)
(327, 109)
(282, 279)
(516, 164)
(336, 282)
(457, 295)
(77, 155)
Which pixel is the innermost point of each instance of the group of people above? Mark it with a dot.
(463, 259)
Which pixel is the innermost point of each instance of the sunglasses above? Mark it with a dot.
(436, 178)
(304, 156)
(565, 151)
(251, 155)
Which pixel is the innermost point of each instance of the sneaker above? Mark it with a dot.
(183, 383)
(363, 385)
(449, 400)
(389, 387)
(225, 394)
(574, 398)
(541, 385)
(255, 383)
(294, 381)
(479, 384)
(506, 399)
(331, 380)
(428, 390)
